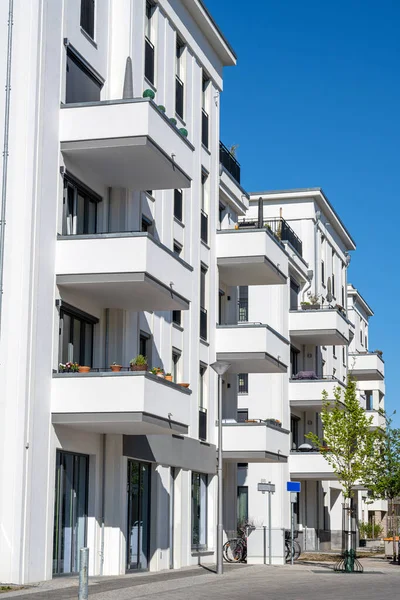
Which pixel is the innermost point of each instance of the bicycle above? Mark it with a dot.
(235, 549)
(288, 546)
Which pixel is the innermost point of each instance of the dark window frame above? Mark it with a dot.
(88, 195)
(87, 21)
(178, 205)
(75, 314)
(78, 60)
(243, 388)
(203, 510)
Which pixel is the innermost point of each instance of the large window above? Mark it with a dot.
(242, 504)
(203, 310)
(76, 335)
(199, 511)
(80, 207)
(82, 84)
(179, 85)
(176, 364)
(369, 402)
(243, 383)
(294, 295)
(202, 374)
(178, 205)
(243, 303)
(294, 432)
(322, 272)
(87, 17)
(204, 208)
(145, 346)
(294, 360)
(204, 113)
(148, 45)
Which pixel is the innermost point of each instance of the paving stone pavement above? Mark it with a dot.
(380, 581)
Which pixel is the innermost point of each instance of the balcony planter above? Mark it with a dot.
(139, 363)
(274, 422)
(83, 369)
(138, 367)
(310, 306)
(168, 377)
(115, 368)
(184, 385)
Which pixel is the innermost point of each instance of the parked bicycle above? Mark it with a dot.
(288, 545)
(235, 549)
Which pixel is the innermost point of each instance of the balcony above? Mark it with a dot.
(130, 271)
(126, 143)
(254, 442)
(252, 348)
(307, 393)
(378, 420)
(229, 162)
(279, 228)
(368, 366)
(319, 327)
(251, 257)
(310, 465)
(131, 403)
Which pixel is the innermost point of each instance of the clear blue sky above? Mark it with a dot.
(315, 101)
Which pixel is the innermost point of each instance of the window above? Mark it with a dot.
(294, 431)
(243, 383)
(243, 303)
(82, 84)
(203, 311)
(343, 298)
(221, 210)
(221, 295)
(177, 248)
(204, 206)
(146, 224)
(361, 336)
(179, 85)
(322, 272)
(199, 511)
(242, 415)
(148, 45)
(80, 207)
(177, 317)
(76, 335)
(369, 403)
(294, 295)
(202, 424)
(204, 113)
(145, 345)
(178, 196)
(333, 273)
(242, 504)
(366, 342)
(334, 351)
(344, 355)
(176, 356)
(294, 359)
(87, 17)
(202, 373)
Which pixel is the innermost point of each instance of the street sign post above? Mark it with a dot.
(294, 488)
(268, 488)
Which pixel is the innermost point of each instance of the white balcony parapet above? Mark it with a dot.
(252, 348)
(310, 465)
(251, 257)
(321, 327)
(367, 366)
(123, 270)
(307, 393)
(254, 442)
(126, 143)
(378, 419)
(131, 403)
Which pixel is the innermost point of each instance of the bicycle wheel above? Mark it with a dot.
(297, 550)
(287, 551)
(233, 550)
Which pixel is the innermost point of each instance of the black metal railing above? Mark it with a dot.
(148, 60)
(202, 424)
(279, 228)
(228, 161)
(179, 95)
(204, 128)
(204, 227)
(243, 310)
(203, 323)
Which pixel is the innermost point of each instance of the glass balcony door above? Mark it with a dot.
(138, 515)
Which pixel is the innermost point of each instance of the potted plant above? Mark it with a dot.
(149, 94)
(173, 121)
(312, 304)
(115, 368)
(184, 385)
(184, 132)
(158, 371)
(168, 376)
(161, 108)
(139, 363)
(68, 367)
(83, 369)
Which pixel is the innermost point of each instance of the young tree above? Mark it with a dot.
(383, 479)
(348, 442)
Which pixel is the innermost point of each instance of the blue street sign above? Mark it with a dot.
(293, 486)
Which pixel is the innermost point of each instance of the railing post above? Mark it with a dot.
(83, 574)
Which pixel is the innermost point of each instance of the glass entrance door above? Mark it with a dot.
(138, 515)
(70, 511)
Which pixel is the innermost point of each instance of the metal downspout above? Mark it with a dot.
(5, 150)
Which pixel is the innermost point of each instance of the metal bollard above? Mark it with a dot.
(83, 574)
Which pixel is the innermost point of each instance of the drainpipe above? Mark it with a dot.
(5, 150)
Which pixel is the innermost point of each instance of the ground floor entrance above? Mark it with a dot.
(138, 537)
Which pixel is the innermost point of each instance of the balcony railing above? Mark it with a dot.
(228, 161)
(204, 227)
(202, 424)
(149, 60)
(179, 95)
(279, 228)
(203, 323)
(204, 128)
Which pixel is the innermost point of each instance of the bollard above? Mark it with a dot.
(83, 574)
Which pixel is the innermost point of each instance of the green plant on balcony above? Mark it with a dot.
(139, 363)
(173, 121)
(168, 376)
(157, 371)
(68, 367)
(184, 132)
(149, 94)
(161, 108)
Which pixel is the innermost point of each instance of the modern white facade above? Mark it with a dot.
(126, 233)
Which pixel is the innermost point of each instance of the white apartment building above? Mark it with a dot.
(111, 207)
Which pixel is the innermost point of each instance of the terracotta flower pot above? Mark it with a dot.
(160, 375)
(138, 367)
(83, 369)
(115, 368)
(185, 385)
(168, 377)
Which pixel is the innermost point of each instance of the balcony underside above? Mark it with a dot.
(367, 374)
(252, 362)
(249, 270)
(127, 423)
(310, 465)
(254, 442)
(320, 337)
(319, 327)
(129, 291)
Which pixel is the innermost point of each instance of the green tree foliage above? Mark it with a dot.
(383, 479)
